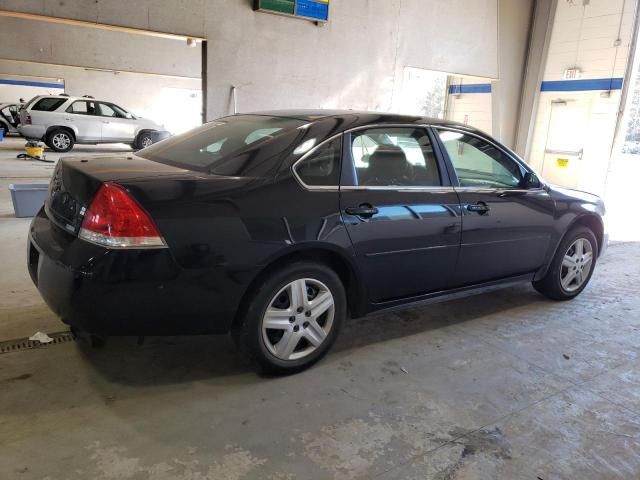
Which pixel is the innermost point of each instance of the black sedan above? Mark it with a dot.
(278, 226)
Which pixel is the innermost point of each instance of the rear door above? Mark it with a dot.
(116, 127)
(10, 114)
(400, 211)
(506, 225)
(83, 115)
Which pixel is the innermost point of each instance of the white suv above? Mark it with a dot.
(61, 121)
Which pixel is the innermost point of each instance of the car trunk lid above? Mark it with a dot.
(76, 181)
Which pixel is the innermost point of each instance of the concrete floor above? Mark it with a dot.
(505, 385)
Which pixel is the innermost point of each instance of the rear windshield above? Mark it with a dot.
(212, 146)
(48, 104)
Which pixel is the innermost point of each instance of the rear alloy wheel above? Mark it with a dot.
(572, 266)
(60, 140)
(294, 317)
(298, 319)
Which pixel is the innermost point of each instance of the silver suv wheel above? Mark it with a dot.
(61, 141)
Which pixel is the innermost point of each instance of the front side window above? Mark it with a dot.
(111, 110)
(48, 104)
(478, 163)
(82, 107)
(394, 157)
(322, 167)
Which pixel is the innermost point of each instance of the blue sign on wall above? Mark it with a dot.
(316, 10)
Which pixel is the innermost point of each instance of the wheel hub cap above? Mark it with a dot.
(298, 319)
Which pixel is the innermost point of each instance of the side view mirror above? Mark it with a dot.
(531, 180)
(129, 116)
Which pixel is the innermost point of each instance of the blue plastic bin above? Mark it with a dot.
(28, 198)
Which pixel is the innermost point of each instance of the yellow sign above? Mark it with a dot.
(562, 162)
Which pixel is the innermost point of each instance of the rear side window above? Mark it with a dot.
(48, 104)
(322, 167)
(394, 157)
(82, 107)
(228, 146)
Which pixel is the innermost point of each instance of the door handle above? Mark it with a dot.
(479, 207)
(106, 121)
(365, 210)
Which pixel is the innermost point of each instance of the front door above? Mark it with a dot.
(506, 225)
(400, 211)
(116, 127)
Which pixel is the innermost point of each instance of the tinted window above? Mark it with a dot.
(478, 163)
(48, 104)
(394, 157)
(223, 146)
(82, 107)
(322, 167)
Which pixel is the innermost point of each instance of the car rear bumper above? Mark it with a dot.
(119, 292)
(32, 131)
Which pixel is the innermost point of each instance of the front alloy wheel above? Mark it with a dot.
(571, 267)
(298, 319)
(576, 265)
(292, 317)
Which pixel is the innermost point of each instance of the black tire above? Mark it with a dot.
(249, 333)
(60, 140)
(143, 139)
(551, 285)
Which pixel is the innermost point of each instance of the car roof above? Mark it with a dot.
(357, 118)
(70, 97)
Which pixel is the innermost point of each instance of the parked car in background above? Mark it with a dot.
(62, 121)
(277, 226)
(9, 117)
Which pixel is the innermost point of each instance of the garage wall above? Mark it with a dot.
(14, 87)
(515, 20)
(355, 61)
(469, 102)
(53, 43)
(576, 117)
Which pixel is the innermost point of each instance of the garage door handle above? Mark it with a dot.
(479, 207)
(365, 210)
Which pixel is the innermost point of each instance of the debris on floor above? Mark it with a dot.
(41, 337)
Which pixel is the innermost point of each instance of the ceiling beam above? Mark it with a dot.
(101, 26)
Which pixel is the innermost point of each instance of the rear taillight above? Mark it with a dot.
(115, 220)
(27, 120)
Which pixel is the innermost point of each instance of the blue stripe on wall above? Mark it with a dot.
(582, 85)
(470, 88)
(31, 84)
